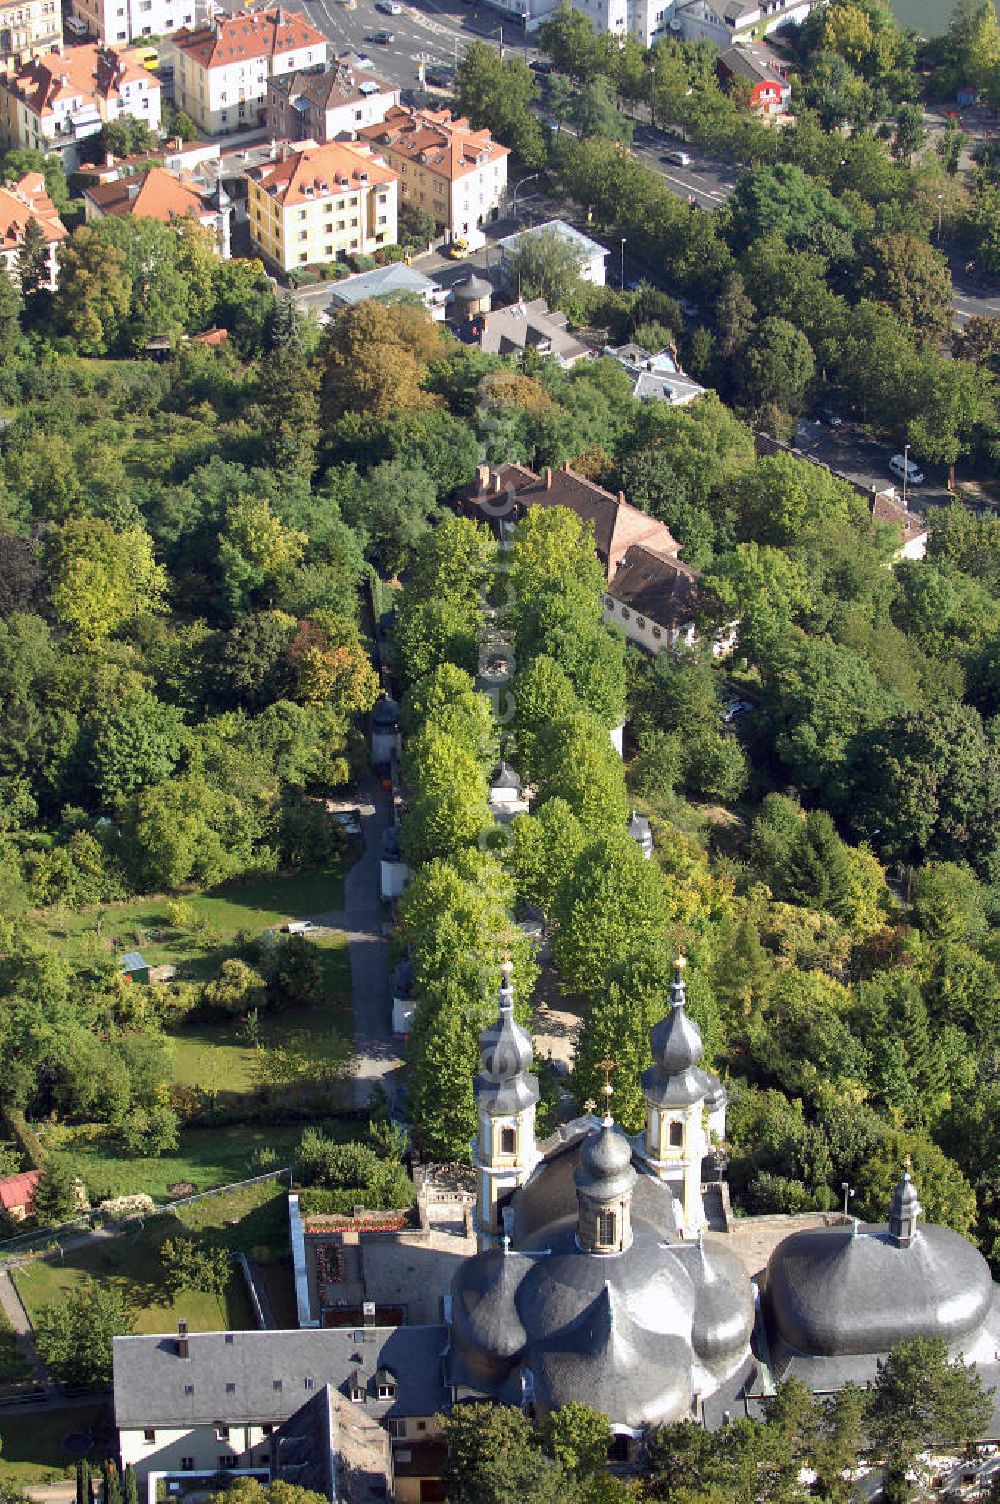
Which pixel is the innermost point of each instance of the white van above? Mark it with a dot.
(76, 27)
(901, 467)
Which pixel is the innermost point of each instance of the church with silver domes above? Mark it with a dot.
(596, 1279)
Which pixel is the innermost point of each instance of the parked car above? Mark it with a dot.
(76, 27)
(733, 709)
(543, 65)
(902, 467)
(439, 78)
(828, 417)
(383, 38)
(299, 927)
(389, 7)
(362, 60)
(677, 158)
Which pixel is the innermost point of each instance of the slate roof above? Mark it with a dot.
(270, 1370)
(384, 281)
(582, 244)
(239, 38)
(333, 1447)
(440, 142)
(328, 88)
(663, 589)
(507, 330)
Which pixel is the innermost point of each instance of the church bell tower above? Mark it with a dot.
(675, 1088)
(504, 1152)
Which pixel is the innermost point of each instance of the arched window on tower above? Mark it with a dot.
(508, 1140)
(676, 1135)
(606, 1224)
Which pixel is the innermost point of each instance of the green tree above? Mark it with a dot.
(546, 265)
(188, 1265)
(289, 394)
(910, 133)
(493, 1458)
(125, 138)
(56, 1194)
(137, 742)
(103, 579)
(239, 989)
(376, 356)
(449, 807)
(393, 507)
(11, 307)
(74, 1337)
(615, 905)
(576, 1437)
(904, 272)
(131, 1486)
(417, 226)
(95, 292)
(594, 112)
(497, 93)
(922, 1400)
(779, 366)
(32, 262)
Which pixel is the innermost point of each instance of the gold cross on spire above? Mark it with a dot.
(589, 1105)
(607, 1090)
(907, 1163)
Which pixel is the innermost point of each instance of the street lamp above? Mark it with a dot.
(623, 263)
(940, 199)
(517, 189)
(493, 34)
(906, 468)
(848, 1193)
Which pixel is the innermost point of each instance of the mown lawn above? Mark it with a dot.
(143, 923)
(31, 1449)
(253, 1219)
(13, 1367)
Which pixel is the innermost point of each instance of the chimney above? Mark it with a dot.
(482, 477)
(621, 498)
(496, 482)
(368, 1311)
(182, 1339)
(548, 477)
(565, 466)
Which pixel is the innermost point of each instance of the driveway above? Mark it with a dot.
(361, 920)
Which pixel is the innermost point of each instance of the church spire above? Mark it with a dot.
(676, 1089)
(904, 1209)
(504, 1151)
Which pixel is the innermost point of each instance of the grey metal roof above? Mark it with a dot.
(270, 1370)
(382, 282)
(472, 288)
(582, 244)
(605, 1169)
(675, 1079)
(505, 1083)
(837, 1292)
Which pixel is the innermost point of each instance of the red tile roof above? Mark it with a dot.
(156, 194)
(19, 1190)
(23, 201)
(319, 172)
(434, 139)
(884, 509)
(85, 72)
(235, 39)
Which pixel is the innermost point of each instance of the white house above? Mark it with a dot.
(591, 256)
(655, 378)
(222, 70)
(726, 21)
(56, 101)
(21, 203)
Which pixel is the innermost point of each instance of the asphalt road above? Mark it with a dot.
(854, 453)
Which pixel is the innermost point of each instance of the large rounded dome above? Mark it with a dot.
(834, 1292)
(486, 1327)
(605, 1168)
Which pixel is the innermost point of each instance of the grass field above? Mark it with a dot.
(31, 1450)
(252, 1219)
(13, 1368)
(143, 923)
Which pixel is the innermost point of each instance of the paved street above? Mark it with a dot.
(375, 1054)
(861, 458)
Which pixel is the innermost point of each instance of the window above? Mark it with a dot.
(508, 1140)
(230, 1388)
(625, 614)
(676, 1135)
(277, 1385)
(606, 1227)
(357, 1396)
(226, 1460)
(640, 621)
(222, 1433)
(397, 1429)
(189, 1389)
(421, 1425)
(187, 1464)
(149, 1434)
(657, 633)
(310, 1383)
(386, 1391)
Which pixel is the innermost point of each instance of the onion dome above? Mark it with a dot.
(485, 1326)
(675, 1079)
(605, 1169)
(504, 1083)
(472, 288)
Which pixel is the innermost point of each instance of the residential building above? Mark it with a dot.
(17, 1194)
(590, 255)
(20, 203)
(645, 20)
(54, 102)
(327, 103)
(158, 194)
(651, 594)
(764, 71)
(321, 203)
(393, 281)
(726, 21)
(914, 531)
(222, 70)
(117, 21)
(27, 29)
(459, 175)
(655, 378)
(510, 331)
(210, 1401)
